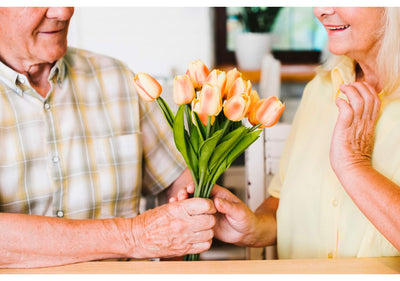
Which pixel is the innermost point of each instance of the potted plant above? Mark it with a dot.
(255, 41)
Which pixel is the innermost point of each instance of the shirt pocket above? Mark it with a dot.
(118, 175)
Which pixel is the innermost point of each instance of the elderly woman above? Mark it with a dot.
(337, 193)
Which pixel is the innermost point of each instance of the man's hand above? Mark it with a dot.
(174, 229)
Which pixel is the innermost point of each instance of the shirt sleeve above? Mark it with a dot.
(162, 162)
(277, 180)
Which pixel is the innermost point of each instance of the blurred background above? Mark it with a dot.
(162, 40)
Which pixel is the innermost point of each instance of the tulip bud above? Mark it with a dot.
(254, 98)
(231, 76)
(238, 87)
(235, 108)
(183, 91)
(266, 112)
(147, 87)
(198, 72)
(210, 100)
(202, 116)
(218, 78)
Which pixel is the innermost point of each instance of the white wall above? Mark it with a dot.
(154, 39)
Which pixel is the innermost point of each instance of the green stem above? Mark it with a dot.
(169, 116)
(188, 112)
(255, 127)
(225, 127)
(208, 127)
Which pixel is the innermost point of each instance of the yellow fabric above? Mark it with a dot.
(87, 148)
(316, 218)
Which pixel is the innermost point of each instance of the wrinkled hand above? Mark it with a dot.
(353, 136)
(174, 229)
(236, 223)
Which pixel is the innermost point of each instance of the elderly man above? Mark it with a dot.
(77, 146)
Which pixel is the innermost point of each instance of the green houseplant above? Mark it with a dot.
(258, 19)
(252, 44)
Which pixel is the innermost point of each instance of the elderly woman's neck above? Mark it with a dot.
(368, 73)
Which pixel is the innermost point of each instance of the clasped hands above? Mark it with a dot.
(187, 225)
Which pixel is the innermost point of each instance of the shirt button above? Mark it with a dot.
(21, 80)
(46, 105)
(60, 214)
(55, 159)
(335, 202)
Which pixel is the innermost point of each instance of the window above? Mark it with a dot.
(298, 37)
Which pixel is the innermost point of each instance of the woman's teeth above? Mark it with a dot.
(338, 27)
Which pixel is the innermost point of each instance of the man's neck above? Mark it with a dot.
(37, 74)
(38, 77)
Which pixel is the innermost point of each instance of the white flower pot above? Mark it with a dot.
(250, 49)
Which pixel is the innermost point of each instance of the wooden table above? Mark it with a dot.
(389, 265)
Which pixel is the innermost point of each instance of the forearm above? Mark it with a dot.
(265, 233)
(377, 197)
(36, 241)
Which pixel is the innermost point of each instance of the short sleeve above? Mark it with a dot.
(277, 181)
(162, 163)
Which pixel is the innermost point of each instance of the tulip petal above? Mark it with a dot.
(183, 90)
(236, 107)
(147, 87)
(210, 100)
(217, 78)
(198, 72)
(238, 87)
(231, 76)
(266, 112)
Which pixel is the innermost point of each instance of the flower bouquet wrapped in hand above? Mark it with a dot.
(208, 139)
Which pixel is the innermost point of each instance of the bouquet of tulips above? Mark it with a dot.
(208, 139)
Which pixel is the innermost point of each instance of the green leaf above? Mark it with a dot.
(228, 143)
(179, 136)
(243, 144)
(206, 149)
(199, 126)
(168, 114)
(238, 149)
(194, 139)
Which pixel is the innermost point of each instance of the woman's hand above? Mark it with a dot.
(353, 136)
(236, 223)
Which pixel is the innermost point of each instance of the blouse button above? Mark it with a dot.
(46, 105)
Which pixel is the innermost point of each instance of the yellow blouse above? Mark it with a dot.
(316, 218)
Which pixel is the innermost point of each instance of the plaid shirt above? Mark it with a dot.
(85, 150)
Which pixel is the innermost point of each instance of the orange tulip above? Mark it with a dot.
(231, 76)
(266, 112)
(209, 102)
(198, 72)
(218, 78)
(183, 90)
(254, 98)
(202, 116)
(147, 87)
(235, 108)
(238, 87)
